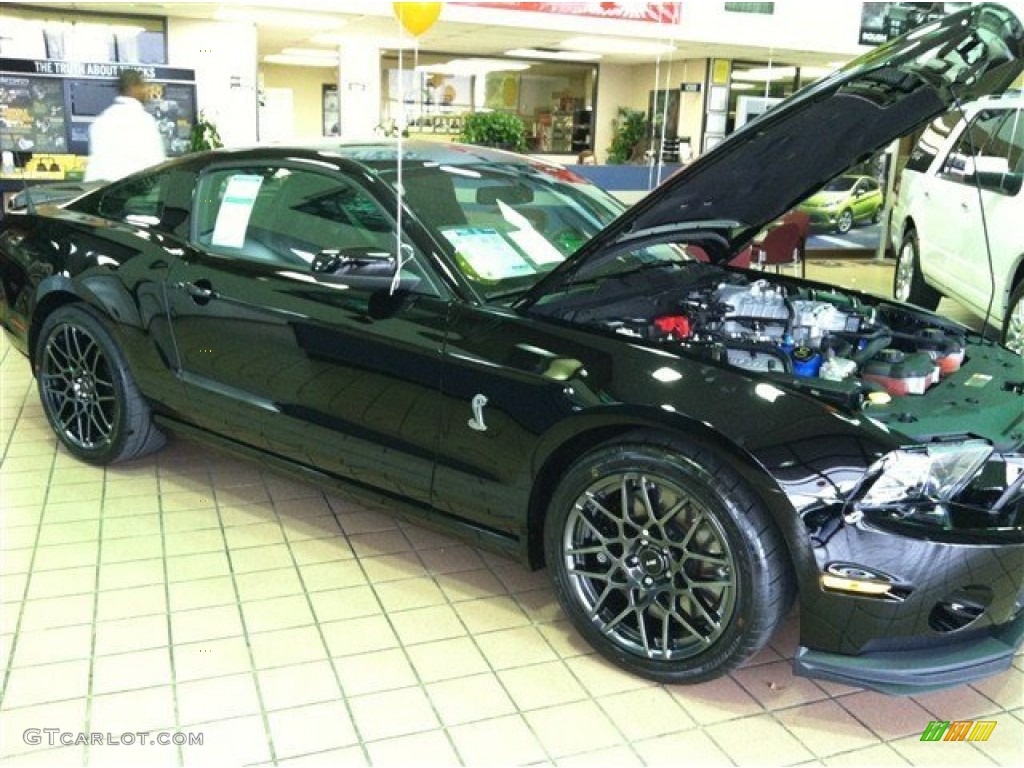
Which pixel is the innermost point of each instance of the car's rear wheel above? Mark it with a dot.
(665, 561)
(1013, 326)
(908, 283)
(87, 392)
(845, 222)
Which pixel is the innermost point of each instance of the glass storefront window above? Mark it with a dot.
(430, 97)
(58, 33)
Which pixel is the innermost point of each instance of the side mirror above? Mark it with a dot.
(354, 261)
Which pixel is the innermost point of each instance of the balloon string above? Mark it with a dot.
(400, 189)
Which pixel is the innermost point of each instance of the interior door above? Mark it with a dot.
(293, 335)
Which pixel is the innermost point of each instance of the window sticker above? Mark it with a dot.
(487, 255)
(235, 210)
(529, 240)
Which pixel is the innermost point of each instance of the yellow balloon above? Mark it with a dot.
(417, 18)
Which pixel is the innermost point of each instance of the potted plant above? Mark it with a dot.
(629, 138)
(205, 135)
(494, 129)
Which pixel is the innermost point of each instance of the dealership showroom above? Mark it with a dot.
(512, 383)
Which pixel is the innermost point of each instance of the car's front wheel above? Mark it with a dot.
(665, 561)
(87, 392)
(908, 283)
(845, 222)
(1013, 326)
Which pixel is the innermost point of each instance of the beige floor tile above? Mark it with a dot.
(542, 685)
(298, 529)
(409, 593)
(148, 709)
(261, 558)
(85, 513)
(118, 754)
(617, 756)
(63, 715)
(49, 645)
(311, 505)
(128, 671)
(238, 741)
(67, 533)
(18, 561)
(715, 701)
(297, 685)
(570, 729)
(50, 612)
(257, 535)
(37, 478)
(194, 542)
(202, 566)
(63, 556)
(129, 603)
(137, 573)
(277, 613)
(374, 672)
(758, 740)
(129, 548)
(130, 506)
(13, 587)
(348, 603)
(469, 699)
(286, 646)
(881, 755)
(310, 551)
(775, 686)
(376, 714)
(24, 536)
(423, 625)
(119, 488)
(960, 703)
(420, 749)
(890, 717)
(516, 647)
(698, 748)
(491, 614)
(217, 698)
(50, 682)
(205, 624)
(1006, 688)
(332, 575)
(540, 605)
(401, 565)
(448, 558)
(367, 522)
(470, 585)
(646, 713)
(64, 493)
(239, 488)
(132, 634)
(508, 740)
(211, 658)
(602, 678)
(379, 543)
(1006, 743)
(446, 659)
(930, 753)
(193, 520)
(564, 639)
(361, 635)
(825, 728)
(312, 728)
(201, 593)
(186, 500)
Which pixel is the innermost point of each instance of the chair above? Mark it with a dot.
(781, 246)
(803, 221)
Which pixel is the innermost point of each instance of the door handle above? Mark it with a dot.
(201, 291)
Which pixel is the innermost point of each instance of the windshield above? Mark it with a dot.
(508, 224)
(842, 184)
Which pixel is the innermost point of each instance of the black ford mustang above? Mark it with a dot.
(687, 446)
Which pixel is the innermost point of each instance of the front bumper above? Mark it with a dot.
(915, 671)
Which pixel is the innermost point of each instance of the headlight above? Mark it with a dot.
(919, 482)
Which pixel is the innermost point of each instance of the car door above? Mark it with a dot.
(289, 333)
(975, 196)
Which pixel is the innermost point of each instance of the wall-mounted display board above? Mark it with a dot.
(48, 105)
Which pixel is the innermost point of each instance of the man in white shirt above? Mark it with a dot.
(124, 138)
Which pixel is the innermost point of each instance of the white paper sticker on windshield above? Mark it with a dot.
(235, 210)
(488, 254)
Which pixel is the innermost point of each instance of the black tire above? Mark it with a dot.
(845, 222)
(88, 394)
(908, 283)
(626, 579)
(1013, 324)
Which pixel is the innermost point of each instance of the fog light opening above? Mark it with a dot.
(856, 580)
(960, 609)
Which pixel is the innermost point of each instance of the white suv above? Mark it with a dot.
(956, 222)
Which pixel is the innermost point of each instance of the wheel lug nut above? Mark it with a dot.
(648, 581)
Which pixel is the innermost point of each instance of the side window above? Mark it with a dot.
(988, 151)
(299, 219)
(927, 147)
(139, 200)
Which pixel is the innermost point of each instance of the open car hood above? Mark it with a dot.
(786, 154)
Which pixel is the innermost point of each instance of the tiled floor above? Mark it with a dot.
(194, 594)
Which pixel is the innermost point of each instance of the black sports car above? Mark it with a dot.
(687, 446)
